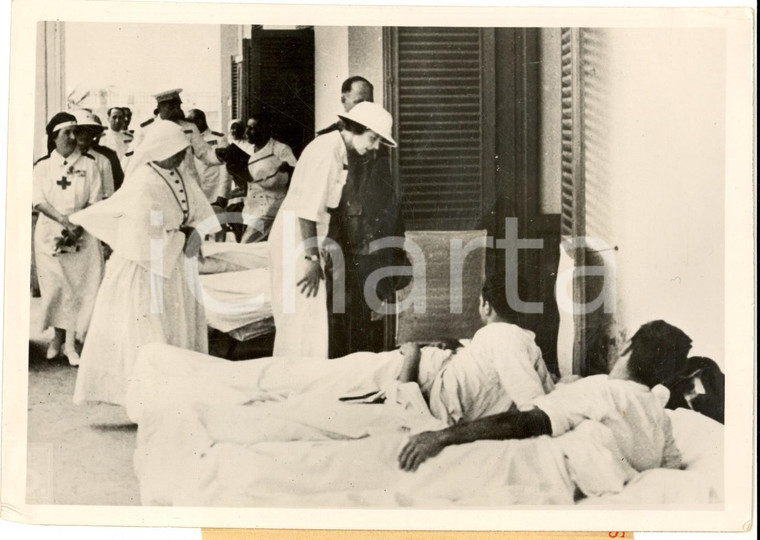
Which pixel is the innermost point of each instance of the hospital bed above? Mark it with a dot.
(196, 448)
(236, 288)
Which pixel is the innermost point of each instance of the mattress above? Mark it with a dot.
(235, 280)
(239, 303)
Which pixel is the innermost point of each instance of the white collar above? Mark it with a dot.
(61, 161)
(266, 148)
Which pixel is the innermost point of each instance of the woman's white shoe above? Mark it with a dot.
(72, 355)
(53, 350)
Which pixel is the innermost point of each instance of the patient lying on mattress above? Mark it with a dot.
(501, 366)
(275, 432)
(174, 392)
(621, 401)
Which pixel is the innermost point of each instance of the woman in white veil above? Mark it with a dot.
(150, 292)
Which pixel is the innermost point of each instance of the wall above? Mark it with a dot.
(330, 70)
(50, 75)
(655, 145)
(365, 56)
(551, 116)
(230, 45)
(341, 52)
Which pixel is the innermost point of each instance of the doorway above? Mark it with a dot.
(281, 81)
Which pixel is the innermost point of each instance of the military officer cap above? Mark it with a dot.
(168, 95)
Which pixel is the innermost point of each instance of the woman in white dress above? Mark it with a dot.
(65, 181)
(299, 304)
(150, 292)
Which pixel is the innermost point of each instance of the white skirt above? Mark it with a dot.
(300, 322)
(68, 281)
(127, 316)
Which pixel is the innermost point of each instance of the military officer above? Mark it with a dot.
(115, 137)
(169, 108)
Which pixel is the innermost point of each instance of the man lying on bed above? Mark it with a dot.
(192, 408)
(621, 401)
(231, 454)
(599, 434)
(500, 367)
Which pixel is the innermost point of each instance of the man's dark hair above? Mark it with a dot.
(348, 83)
(658, 353)
(495, 293)
(197, 117)
(263, 125)
(50, 130)
(108, 112)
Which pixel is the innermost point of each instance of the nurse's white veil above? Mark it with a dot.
(163, 140)
(122, 221)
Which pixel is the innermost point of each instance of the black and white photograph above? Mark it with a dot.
(276, 262)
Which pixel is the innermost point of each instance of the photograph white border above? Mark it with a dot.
(739, 264)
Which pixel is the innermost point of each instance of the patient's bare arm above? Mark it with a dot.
(411, 367)
(513, 424)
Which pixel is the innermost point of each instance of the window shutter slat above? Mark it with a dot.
(439, 127)
(571, 137)
(236, 69)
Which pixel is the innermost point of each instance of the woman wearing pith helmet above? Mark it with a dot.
(299, 303)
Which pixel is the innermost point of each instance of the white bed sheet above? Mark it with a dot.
(235, 281)
(230, 257)
(237, 301)
(270, 432)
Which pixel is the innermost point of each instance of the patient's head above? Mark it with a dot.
(493, 301)
(658, 353)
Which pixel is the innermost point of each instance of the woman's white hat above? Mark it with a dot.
(374, 117)
(86, 119)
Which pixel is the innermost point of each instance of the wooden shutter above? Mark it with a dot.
(573, 200)
(248, 72)
(236, 70)
(439, 110)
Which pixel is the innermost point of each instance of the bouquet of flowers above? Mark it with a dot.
(69, 241)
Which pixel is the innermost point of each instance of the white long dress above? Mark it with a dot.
(150, 288)
(68, 281)
(317, 184)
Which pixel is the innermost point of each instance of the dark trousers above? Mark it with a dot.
(236, 225)
(353, 330)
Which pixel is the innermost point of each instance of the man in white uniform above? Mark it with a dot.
(115, 137)
(214, 181)
(169, 107)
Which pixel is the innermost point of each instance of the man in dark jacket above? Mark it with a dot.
(369, 210)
